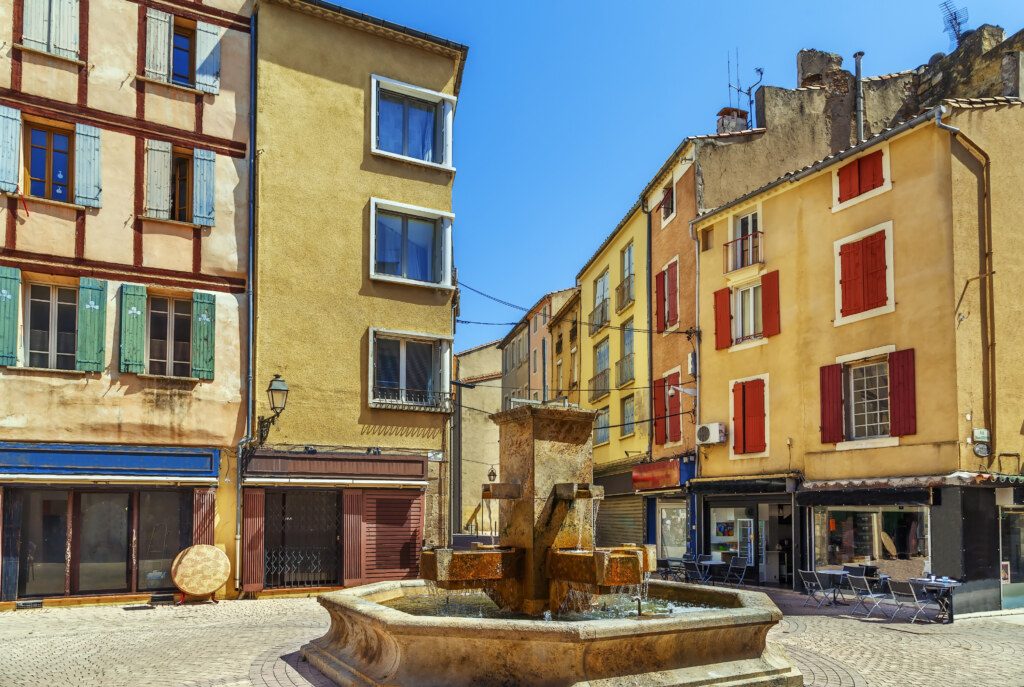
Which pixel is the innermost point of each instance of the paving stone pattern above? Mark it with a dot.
(255, 644)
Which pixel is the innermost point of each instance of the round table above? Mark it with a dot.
(200, 570)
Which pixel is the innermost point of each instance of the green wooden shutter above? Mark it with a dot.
(92, 325)
(10, 148)
(133, 328)
(204, 324)
(10, 287)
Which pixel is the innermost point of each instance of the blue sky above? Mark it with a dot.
(569, 107)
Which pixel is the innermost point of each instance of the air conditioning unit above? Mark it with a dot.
(712, 433)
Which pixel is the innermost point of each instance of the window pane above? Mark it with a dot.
(39, 326)
(38, 137)
(627, 415)
(601, 362)
(182, 338)
(390, 111)
(601, 426)
(158, 336)
(627, 338)
(869, 411)
(67, 315)
(756, 307)
(421, 131)
(181, 67)
(44, 531)
(103, 542)
(419, 371)
(59, 173)
(389, 244)
(420, 255)
(60, 143)
(388, 367)
(181, 173)
(37, 162)
(164, 530)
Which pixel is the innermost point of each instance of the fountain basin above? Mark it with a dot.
(470, 569)
(370, 644)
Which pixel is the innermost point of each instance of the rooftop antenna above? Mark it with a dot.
(954, 19)
(748, 91)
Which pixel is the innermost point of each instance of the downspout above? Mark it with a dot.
(697, 502)
(859, 99)
(985, 273)
(251, 221)
(650, 332)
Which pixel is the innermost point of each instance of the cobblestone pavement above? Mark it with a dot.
(255, 644)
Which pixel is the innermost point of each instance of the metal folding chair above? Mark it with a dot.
(737, 571)
(674, 569)
(904, 594)
(813, 587)
(694, 573)
(861, 587)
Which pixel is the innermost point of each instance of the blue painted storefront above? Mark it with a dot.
(95, 459)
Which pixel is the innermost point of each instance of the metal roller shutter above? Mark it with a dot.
(393, 523)
(620, 520)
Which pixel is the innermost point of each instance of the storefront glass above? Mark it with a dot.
(103, 542)
(732, 534)
(673, 527)
(164, 530)
(893, 538)
(44, 532)
(1011, 569)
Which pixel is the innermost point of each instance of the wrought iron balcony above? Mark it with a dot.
(625, 293)
(599, 385)
(624, 370)
(411, 399)
(744, 251)
(599, 317)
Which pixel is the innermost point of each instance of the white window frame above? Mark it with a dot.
(876, 442)
(51, 350)
(444, 219)
(767, 420)
(890, 276)
(737, 296)
(446, 119)
(444, 374)
(886, 183)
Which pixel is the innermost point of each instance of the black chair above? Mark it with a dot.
(861, 587)
(813, 587)
(674, 569)
(696, 573)
(737, 571)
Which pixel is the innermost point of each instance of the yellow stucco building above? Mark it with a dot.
(354, 288)
(856, 410)
(614, 377)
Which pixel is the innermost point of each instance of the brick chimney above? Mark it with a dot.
(731, 119)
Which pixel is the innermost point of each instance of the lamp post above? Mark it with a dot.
(277, 393)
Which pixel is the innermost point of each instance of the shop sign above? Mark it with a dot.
(657, 475)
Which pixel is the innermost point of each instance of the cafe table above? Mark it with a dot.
(837, 584)
(711, 567)
(942, 588)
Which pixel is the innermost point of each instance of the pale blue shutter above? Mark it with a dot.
(158, 179)
(64, 28)
(10, 148)
(10, 287)
(158, 45)
(88, 188)
(202, 187)
(36, 26)
(207, 57)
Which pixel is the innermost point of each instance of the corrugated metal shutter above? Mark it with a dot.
(10, 290)
(64, 36)
(902, 393)
(158, 179)
(88, 186)
(204, 319)
(92, 325)
(158, 44)
(620, 520)
(207, 57)
(252, 539)
(36, 24)
(203, 514)
(723, 318)
(10, 148)
(393, 523)
(352, 536)
(203, 187)
(831, 380)
(133, 328)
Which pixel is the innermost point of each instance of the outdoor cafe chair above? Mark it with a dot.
(904, 594)
(674, 569)
(855, 570)
(694, 572)
(737, 571)
(813, 587)
(861, 587)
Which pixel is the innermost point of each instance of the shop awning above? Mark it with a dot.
(953, 479)
(747, 484)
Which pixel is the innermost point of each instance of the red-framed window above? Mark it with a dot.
(863, 274)
(860, 176)
(748, 417)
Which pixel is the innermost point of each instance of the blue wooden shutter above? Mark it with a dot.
(158, 179)
(88, 188)
(133, 328)
(202, 187)
(36, 25)
(64, 28)
(10, 288)
(158, 44)
(204, 321)
(92, 325)
(10, 148)
(207, 57)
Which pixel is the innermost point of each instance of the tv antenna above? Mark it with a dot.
(738, 86)
(954, 19)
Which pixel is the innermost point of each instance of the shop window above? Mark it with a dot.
(52, 324)
(102, 541)
(44, 532)
(892, 538)
(165, 528)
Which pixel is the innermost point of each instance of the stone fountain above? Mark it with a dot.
(543, 570)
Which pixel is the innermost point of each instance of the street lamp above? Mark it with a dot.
(277, 392)
(492, 474)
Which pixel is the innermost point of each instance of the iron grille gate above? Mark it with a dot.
(303, 538)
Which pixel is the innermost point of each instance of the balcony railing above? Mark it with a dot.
(744, 251)
(599, 317)
(624, 370)
(599, 385)
(625, 293)
(411, 399)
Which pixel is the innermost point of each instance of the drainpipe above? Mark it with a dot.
(650, 332)
(698, 502)
(251, 221)
(858, 56)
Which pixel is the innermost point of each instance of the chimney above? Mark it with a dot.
(731, 119)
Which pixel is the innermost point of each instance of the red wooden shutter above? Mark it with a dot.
(851, 279)
(393, 524)
(672, 289)
(753, 416)
(848, 181)
(352, 536)
(659, 300)
(252, 539)
(674, 420)
(203, 514)
(831, 404)
(770, 317)
(870, 172)
(723, 319)
(902, 393)
(659, 412)
(738, 414)
(875, 295)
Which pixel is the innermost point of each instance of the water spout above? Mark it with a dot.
(639, 605)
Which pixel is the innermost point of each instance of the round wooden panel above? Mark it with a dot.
(200, 570)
